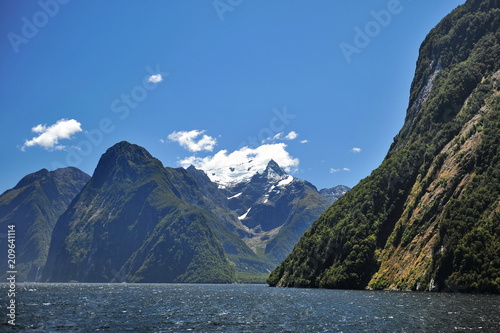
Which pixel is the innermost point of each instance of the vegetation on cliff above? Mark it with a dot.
(428, 217)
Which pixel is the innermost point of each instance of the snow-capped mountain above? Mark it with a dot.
(240, 166)
(261, 202)
(275, 208)
(272, 208)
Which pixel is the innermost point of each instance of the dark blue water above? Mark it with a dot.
(243, 308)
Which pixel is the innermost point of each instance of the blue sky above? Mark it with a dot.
(209, 82)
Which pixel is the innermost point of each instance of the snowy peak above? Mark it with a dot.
(264, 202)
(241, 166)
(273, 171)
(273, 175)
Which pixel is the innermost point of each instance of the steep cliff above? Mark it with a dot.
(429, 217)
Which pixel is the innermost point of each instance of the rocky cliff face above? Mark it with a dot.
(34, 206)
(428, 217)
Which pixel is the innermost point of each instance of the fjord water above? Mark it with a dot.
(245, 308)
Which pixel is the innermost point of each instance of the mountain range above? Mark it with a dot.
(429, 217)
(135, 220)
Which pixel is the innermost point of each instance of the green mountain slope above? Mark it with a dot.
(428, 217)
(205, 195)
(306, 206)
(34, 206)
(128, 224)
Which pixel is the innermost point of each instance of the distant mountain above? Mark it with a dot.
(429, 217)
(275, 209)
(334, 193)
(216, 201)
(132, 222)
(33, 206)
(241, 171)
(196, 188)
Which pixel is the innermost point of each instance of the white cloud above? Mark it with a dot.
(190, 140)
(157, 78)
(281, 136)
(50, 135)
(291, 136)
(242, 164)
(39, 128)
(304, 141)
(278, 136)
(356, 150)
(333, 170)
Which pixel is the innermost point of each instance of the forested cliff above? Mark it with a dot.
(429, 217)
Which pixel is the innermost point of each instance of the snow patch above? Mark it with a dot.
(285, 181)
(244, 216)
(266, 198)
(273, 176)
(235, 196)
